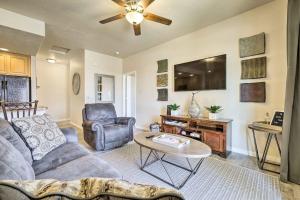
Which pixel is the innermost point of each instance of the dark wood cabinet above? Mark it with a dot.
(215, 133)
(214, 140)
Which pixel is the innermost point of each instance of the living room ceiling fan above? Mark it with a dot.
(134, 13)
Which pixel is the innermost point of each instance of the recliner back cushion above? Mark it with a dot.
(13, 166)
(7, 131)
(102, 112)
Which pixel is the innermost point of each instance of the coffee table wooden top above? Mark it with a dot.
(195, 149)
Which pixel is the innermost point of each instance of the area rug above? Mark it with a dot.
(214, 180)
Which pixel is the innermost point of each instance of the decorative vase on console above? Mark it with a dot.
(194, 109)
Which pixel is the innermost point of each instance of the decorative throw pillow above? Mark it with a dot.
(7, 131)
(41, 134)
(13, 166)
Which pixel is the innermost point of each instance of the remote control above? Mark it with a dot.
(150, 136)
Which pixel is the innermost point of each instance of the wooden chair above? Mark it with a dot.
(18, 110)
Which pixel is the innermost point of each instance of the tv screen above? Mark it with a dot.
(204, 74)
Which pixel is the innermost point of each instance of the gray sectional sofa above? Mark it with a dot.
(69, 161)
(67, 172)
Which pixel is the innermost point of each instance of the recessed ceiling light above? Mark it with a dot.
(3, 49)
(117, 52)
(191, 74)
(209, 71)
(179, 73)
(50, 60)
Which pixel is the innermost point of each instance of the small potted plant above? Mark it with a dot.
(213, 111)
(174, 109)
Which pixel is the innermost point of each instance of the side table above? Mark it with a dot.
(271, 133)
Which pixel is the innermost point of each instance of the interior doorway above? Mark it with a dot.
(129, 82)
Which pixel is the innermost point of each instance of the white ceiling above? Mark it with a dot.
(20, 41)
(74, 23)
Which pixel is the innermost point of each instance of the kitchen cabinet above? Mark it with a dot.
(14, 64)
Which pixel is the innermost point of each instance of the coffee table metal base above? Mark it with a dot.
(162, 161)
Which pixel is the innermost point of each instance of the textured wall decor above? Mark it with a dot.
(254, 45)
(162, 66)
(254, 68)
(76, 83)
(162, 94)
(162, 80)
(253, 92)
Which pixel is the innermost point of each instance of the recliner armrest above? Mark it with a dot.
(70, 134)
(125, 121)
(92, 125)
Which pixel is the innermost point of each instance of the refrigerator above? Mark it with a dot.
(15, 89)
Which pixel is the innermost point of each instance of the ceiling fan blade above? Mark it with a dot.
(119, 2)
(146, 3)
(158, 19)
(137, 29)
(116, 17)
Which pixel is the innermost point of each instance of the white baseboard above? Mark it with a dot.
(62, 121)
(76, 125)
(253, 154)
(141, 128)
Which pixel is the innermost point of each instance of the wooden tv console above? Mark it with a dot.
(215, 133)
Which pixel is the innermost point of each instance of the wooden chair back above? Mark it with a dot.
(16, 110)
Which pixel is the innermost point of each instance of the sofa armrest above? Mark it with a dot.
(92, 126)
(130, 121)
(70, 134)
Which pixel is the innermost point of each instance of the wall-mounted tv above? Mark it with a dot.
(204, 74)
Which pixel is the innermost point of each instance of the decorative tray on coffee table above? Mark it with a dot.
(171, 140)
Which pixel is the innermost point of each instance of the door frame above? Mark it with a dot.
(125, 75)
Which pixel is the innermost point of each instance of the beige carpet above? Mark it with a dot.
(214, 180)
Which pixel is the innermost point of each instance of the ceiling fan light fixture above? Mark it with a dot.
(134, 17)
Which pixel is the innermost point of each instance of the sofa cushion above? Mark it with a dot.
(7, 131)
(87, 166)
(13, 166)
(104, 113)
(41, 134)
(115, 132)
(59, 156)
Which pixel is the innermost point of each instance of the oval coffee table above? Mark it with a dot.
(195, 149)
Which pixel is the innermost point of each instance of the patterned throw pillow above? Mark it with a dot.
(41, 133)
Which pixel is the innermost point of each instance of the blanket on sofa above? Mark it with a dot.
(89, 188)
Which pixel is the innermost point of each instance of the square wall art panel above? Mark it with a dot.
(254, 68)
(253, 92)
(162, 80)
(254, 45)
(162, 94)
(162, 66)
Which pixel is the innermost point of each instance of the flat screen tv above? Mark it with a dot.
(204, 74)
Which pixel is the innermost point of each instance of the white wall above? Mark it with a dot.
(55, 83)
(33, 78)
(220, 38)
(21, 22)
(52, 92)
(76, 101)
(96, 63)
